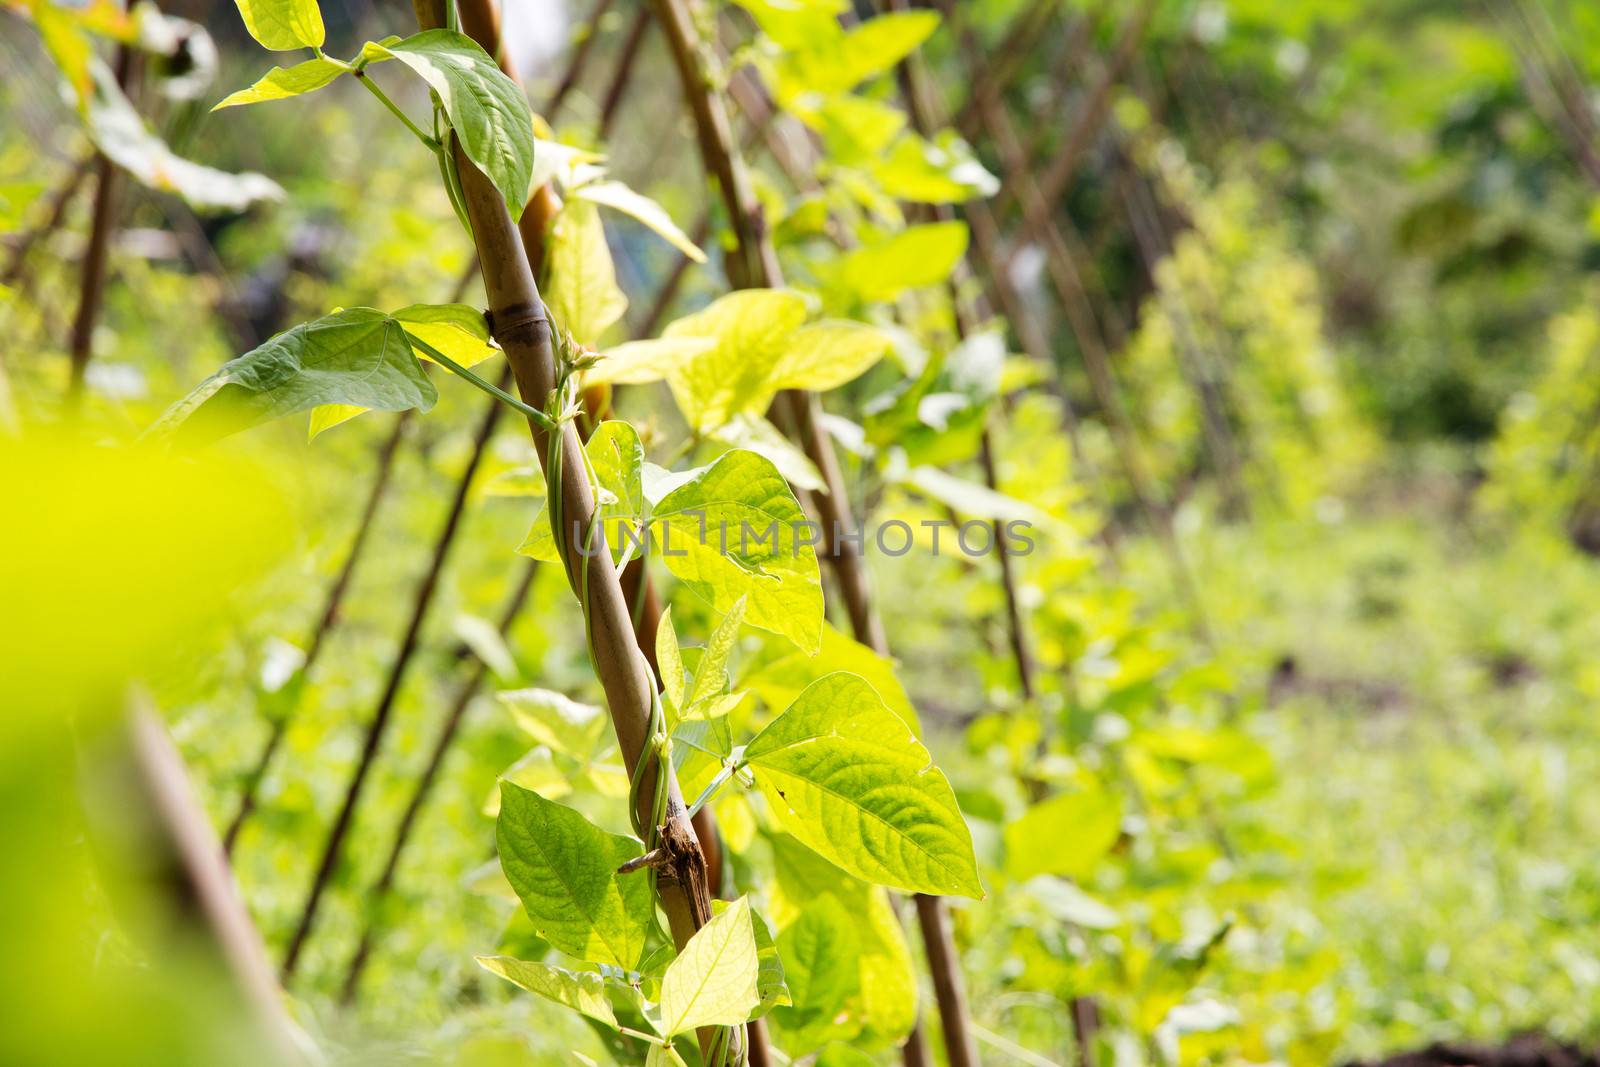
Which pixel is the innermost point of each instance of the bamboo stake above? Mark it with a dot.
(482, 19)
(92, 280)
(141, 810)
(522, 327)
(753, 263)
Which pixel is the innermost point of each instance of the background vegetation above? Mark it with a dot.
(1275, 319)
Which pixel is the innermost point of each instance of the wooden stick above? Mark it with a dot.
(753, 263)
(522, 327)
(92, 273)
(141, 813)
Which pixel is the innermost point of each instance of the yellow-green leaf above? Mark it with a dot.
(637, 362)
(583, 294)
(582, 991)
(459, 331)
(325, 417)
(734, 529)
(280, 83)
(713, 982)
(619, 197)
(847, 776)
(1081, 827)
(283, 25)
(916, 256)
(827, 354)
(751, 329)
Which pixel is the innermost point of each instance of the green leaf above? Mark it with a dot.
(617, 457)
(356, 356)
(781, 680)
(553, 719)
(821, 953)
(834, 63)
(734, 529)
(751, 329)
(854, 129)
(459, 331)
(619, 197)
(637, 362)
(486, 109)
(583, 294)
(846, 776)
(1080, 828)
(713, 980)
(700, 748)
(283, 25)
(943, 171)
(582, 991)
(669, 660)
(711, 676)
(663, 1056)
(563, 868)
(795, 24)
(916, 256)
(827, 354)
(280, 83)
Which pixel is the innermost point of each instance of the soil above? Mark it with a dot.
(1523, 1050)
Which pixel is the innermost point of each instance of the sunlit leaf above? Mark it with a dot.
(553, 719)
(734, 529)
(916, 256)
(459, 331)
(825, 355)
(713, 981)
(283, 25)
(751, 329)
(619, 197)
(636, 362)
(582, 991)
(583, 294)
(1081, 828)
(847, 776)
(281, 83)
